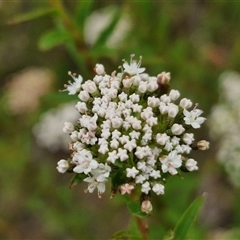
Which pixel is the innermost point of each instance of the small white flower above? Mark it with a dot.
(68, 127)
(93, 184)
(74, 87)
(126, 188)
(158, 188)
(171, 162)
(135, 98)
(191, 165)
(62, 166)
(112, 156)
(103, 149)
(140, 179)
(134, 67)
(85, 162)
(132, 172)
(162, 138)
(145, 187)
(192, 118)
(122, 154)
(177, 129)
(152, 85)
(114, 143)
(130, 145)
(153, 102)
(155, 174)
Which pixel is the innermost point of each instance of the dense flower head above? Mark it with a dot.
(132, 130)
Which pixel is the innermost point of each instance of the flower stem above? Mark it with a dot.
(142, 227)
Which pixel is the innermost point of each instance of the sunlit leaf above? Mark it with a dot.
(31, 15)
(52, 39)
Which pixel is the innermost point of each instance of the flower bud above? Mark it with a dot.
(191, 165)
(177, 129)
(142, 88)
(89, 86)
(68, 127)
(174, 95)
(84, 95)
(203, 145)
(62, 166)
(146, 206)
(185, 103)
(172, 110)
(163, 78)
(99, 69)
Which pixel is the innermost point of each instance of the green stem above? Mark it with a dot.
(142, 227)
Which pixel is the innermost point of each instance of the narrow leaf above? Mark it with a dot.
(135, 209)
(52, 39)
(124, 235)
(77, 178)
(82, 12)
(188, 218)
(32, 15)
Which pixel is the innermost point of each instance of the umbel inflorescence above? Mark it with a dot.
(132, 130)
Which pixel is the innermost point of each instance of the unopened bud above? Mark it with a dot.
(99, 69)
(163, 82)
(200, 145)
(146, 206)
(203, 145)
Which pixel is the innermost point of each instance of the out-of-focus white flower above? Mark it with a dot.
(224, 124)
(146, 206)
(97, 22)
(177, 129)
(25, 88)
(158, 188)
(48, 131)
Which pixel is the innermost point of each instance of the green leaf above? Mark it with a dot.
(83, 10)
(32, 15)
(77, 178)
(52, 38)
(135, 209)
(120, 235)
(188, 218)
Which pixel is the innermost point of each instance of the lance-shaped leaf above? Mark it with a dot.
(53, 38)
(77, 178)
(32, 15)
(187, 219)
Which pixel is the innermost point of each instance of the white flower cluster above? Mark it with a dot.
(131, 132)
(225, 124)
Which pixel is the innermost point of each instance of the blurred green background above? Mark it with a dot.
(40, 41)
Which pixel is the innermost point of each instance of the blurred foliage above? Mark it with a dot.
(194, 40)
